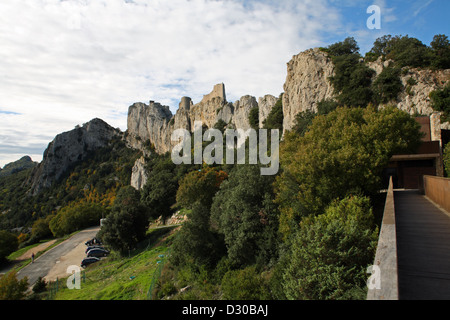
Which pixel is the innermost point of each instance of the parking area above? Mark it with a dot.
(53, 264)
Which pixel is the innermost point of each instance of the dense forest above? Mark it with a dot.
(310, 232)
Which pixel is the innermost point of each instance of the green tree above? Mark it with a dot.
(406, 51)
(446, 160)
(245, 284)
(40, 229)
(159, 193)
(387, 85)
(8, 244)
(197, 244)
(243, 211)
(275, 118)
(127, 223)
(441, 50)
(200, 186)
(11, 288)
(440, 101)
(302, 121)
(380, 48)
(342, 153)
(76, 216)
(347, 47)
(330, 253)
(253, 118)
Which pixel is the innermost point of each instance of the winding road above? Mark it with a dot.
(54, 262)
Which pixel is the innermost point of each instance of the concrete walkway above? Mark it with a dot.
(423, 248)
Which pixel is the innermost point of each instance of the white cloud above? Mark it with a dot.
(66, 62)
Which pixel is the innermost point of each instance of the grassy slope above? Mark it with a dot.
(122, 278)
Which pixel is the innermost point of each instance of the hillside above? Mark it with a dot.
(245, 236)
(17, 166)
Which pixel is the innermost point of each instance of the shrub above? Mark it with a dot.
(446, 156)
(127, 223)
(75, 217)
(330, 252)
(343, 152)
(11, 288)
(8, 244)
(275, 118)
(440, 101)
(387, 85)
(253, 118)
(243, 211)
(245, 284)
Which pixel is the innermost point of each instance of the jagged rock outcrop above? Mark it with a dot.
(149, 123)
(307, 83)
(265, 105)
(67, 149)
(242, 109)
(155, 123)
(139, 174)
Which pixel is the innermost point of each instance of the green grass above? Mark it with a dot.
(121, 278)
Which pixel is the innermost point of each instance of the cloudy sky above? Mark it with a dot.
(65, 62)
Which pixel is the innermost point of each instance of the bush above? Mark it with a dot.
(245, 284)
(387, 85)
(352, 80)
(8, 244)
(343, 152)
(446, 156)
(440, 101)
(199, 186)
(244, 212)
(75, 217)
(330, 253)
(275, 118)
(253, 118)
(127, 223)
(11, 288)
(196, 243)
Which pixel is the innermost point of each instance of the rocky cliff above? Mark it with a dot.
(155, 123)
(67, 149)
(307, 84)
(17, 166)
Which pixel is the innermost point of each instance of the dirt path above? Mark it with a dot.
(35, 250)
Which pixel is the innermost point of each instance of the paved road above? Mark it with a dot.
(423, 244)
(43, 264)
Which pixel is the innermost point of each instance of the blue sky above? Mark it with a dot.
(64, 63)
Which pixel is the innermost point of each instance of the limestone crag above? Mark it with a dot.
(265, 105)
(416, 98)
(307, 83)
(156, 123)
(67, 149)
(139, 174)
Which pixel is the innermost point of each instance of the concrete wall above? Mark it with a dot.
(438, 190)
(386, 255)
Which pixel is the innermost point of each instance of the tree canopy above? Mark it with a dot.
(342, 153)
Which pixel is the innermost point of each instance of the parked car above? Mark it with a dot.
(94, 247)
(97, 252)
(93, 241)
(88, 261)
